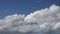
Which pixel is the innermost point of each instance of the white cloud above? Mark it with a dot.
(45, 21)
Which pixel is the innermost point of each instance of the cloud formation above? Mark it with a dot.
(44, 21)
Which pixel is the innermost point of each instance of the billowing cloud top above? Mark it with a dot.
(44, 21)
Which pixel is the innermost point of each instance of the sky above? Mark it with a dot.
(30, 17)
(9, 7)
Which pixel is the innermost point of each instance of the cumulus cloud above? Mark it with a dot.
(44, 21)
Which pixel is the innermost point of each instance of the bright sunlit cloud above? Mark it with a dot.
(45, 21)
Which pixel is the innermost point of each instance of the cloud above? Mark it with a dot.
(44, 21)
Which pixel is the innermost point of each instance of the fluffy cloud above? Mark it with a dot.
(44, 21)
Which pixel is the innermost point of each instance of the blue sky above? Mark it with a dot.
(9, 7)
(30, 16)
